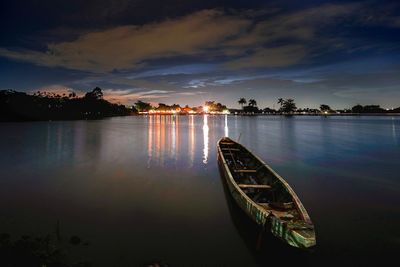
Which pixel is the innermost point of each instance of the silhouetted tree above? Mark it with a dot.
(357, 109)
(220, 107)
(216, 107)
(395, 110)
(367, 109)
(325, 108)
(18, 106)
(287, 106)
(269, 110)
(250, 109)
(242, 101)
(142, 106)
(373, 109)
(309, 110)
(252, 103)
(175, 107)
(96, 93)
(163, 107)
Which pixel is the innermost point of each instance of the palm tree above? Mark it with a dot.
(288, 106)
(242, 101)
(280, 101)
(252, 103)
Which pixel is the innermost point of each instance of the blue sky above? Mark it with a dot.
(339, 53)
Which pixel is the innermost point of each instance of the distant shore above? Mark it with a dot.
(20, 106)
(271, 114)
(47, 106)
(324, 115)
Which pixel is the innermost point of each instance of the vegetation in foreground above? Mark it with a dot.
(19, 106)
(44, 251)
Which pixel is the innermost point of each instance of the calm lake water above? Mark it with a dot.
(146, 189)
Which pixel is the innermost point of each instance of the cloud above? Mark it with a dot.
(129, 46)
(246, 39)
(191, 93)
(270, 57)
(298, 34)
(125, 96)
(377, 14)
(175, 70)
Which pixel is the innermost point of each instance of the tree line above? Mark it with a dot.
(288, 106)
(212, 106)
(20, 106)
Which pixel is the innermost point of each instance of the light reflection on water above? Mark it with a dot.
(164, 140)
(151, 185)
(226, 126)
(394, 131)
(205, 138)
(164, 137)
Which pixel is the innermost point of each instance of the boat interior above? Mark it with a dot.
(258, 182)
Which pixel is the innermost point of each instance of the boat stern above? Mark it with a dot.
(300, 235)
(302, 238)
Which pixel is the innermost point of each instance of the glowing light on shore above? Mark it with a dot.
(185, 111)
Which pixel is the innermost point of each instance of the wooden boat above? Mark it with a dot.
(264, 195)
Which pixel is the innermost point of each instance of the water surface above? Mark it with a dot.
(144, 189)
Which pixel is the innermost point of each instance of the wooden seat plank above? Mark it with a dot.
(258, 186)
(245, 170)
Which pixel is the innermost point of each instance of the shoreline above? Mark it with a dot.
(286, 115)
(200, 114)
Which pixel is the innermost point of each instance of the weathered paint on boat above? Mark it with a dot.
(299, 233)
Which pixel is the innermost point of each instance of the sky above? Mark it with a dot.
(339, 53)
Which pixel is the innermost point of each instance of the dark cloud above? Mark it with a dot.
(126, 47)
(172, 51)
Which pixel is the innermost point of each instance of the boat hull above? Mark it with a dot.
(295, 234)
(257, 214)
